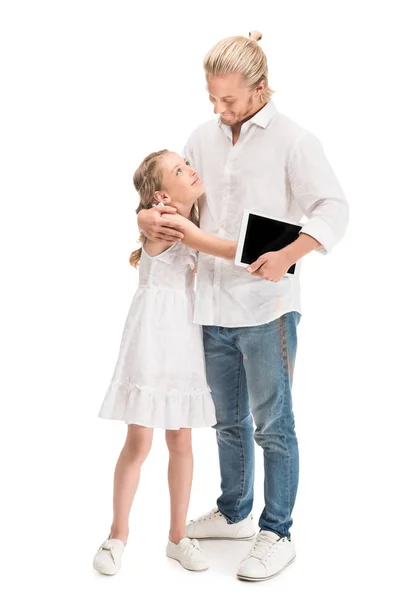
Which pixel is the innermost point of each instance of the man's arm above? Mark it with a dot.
(272, 266)
(317, 191)
(300, 247)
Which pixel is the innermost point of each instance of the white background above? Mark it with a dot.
(90, 88)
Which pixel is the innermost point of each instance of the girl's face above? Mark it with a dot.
(182, 185)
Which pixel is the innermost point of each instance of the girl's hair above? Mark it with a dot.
(148, 180)
(238, 54)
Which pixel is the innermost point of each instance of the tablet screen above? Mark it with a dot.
(267, 235)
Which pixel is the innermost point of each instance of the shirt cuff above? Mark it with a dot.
(319, 230)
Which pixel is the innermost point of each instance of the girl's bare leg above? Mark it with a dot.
(180, 475)
(126, 477)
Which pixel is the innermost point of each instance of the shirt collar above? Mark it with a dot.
(262, 118)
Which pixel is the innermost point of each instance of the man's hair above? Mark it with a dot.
(240, 55)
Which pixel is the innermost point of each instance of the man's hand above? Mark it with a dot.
(271, 266)
(156, 225)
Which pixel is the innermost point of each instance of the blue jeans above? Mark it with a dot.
(250, 373)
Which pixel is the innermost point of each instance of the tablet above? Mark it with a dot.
(260, 233)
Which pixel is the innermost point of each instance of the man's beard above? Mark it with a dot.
(249, 111)
(247, 114)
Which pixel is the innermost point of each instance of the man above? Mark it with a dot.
(255, 158)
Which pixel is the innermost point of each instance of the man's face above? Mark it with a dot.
(231, 97)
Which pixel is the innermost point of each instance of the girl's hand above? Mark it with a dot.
(156, 223)
(271, 266)
(191, 233)
(186, 227)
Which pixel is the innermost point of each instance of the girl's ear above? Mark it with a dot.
(162, 197)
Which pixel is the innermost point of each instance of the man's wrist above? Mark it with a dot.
(289, 254)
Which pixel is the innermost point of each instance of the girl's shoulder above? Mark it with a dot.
(173, 254)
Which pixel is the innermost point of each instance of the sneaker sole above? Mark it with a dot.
(187, 568)
(244, 578)
(104, 571)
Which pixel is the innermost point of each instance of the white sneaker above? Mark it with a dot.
(108, 557)
(268, 557)
(214, 526)
(188, 553)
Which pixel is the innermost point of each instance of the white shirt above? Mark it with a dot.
(278, 168)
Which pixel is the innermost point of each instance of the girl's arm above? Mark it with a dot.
(154, 247)
(204, 242)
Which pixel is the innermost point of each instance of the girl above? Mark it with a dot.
(159, 378)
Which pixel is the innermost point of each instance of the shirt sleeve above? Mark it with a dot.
(188, 151)
(317, 191)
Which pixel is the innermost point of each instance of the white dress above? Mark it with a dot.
(159, 378)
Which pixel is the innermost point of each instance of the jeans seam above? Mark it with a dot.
(284, 357)
(240, 435)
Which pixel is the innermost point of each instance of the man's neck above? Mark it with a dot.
(237, 126)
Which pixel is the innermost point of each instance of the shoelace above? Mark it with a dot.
(263, 548)
(208, 516)
(109, 548)
(194, 545)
